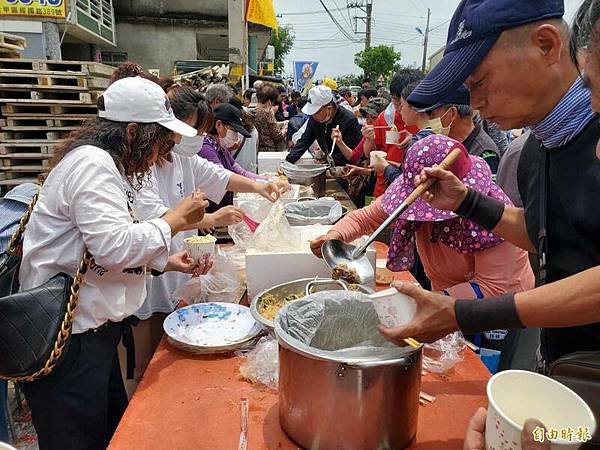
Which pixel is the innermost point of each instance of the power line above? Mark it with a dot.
(306, 13)
(337, 24)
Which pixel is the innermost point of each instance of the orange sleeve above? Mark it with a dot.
(361, 222)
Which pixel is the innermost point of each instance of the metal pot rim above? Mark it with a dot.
(402, 358)
(269, 324)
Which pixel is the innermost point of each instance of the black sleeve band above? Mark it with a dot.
(481, 209)
(156, 273)
(474, 316)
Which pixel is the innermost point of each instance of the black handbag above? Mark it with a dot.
(35, 324)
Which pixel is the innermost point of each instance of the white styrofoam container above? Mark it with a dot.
(267, 269)
(269, 162)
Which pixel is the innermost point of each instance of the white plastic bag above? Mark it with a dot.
(221, 284)
(262, 363)
(322, 211)
(442, 355)
(273, 234)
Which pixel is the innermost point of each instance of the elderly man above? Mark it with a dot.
(218, 93)
(325, 116)
(560, 222)
(453, 117)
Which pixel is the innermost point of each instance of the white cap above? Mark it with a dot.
(318, 97)
(135, 99)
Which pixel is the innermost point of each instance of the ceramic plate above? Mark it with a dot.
(211, 327)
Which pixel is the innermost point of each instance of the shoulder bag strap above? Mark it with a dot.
(542, 232)
(15, 239)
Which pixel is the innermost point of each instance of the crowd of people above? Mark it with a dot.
(162, 161)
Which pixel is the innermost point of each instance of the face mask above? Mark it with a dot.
(189, 146)
(437, 127)
(230, 139)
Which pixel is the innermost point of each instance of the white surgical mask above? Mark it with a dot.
(189, 146)
(437, 127)
(230, 139)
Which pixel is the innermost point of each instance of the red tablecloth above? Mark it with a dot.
(193, 402)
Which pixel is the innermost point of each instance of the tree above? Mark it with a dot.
(283, 41)
(376, 61)
(349, 80)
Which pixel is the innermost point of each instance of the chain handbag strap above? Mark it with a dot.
(64, 331)
(15, 239)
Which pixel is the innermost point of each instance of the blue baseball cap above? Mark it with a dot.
(474, 29)
(460, 96)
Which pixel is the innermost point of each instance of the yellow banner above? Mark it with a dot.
(262, 12)
(34, 8)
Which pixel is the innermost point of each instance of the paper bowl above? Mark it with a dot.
(392, 137)
(517, 395)
(200, 250)
(393, 308)
(377, 154)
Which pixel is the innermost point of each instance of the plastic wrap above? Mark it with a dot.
(221, 284)
(323, 211)
(262, 363)
(442, 355)
(336, 325)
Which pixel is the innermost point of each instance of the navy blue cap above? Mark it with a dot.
(460, 96)
(474, 29)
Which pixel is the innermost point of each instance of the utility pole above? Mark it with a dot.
(366, 6)
(425, 41)
(369, 18)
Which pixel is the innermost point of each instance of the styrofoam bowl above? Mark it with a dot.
(517, 395)
(200, 250)
(393, 308)
(377, 154)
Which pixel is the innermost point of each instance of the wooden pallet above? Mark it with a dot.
(43, 121)
(26, 122)
(50, 96)
(16, 171)
(34, 135)
(39, 147)
(12, 39)
(25, 156)
(24, 164)
(38, 109)
(87, 67)
(12, 182)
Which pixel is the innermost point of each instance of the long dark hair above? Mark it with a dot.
(132, 159)
(186, 101)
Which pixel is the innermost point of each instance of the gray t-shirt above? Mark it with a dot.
(507, 171)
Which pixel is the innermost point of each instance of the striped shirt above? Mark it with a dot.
(10, 215)
(568, 118)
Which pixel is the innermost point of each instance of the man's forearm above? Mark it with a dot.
(505, 221)
(295, 153)
(572, 301)
(569, 302)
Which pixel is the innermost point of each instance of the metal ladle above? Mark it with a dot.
(336, 252)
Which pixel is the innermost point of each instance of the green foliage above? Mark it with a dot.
(283, 41)
(376, 61)
(350, 80)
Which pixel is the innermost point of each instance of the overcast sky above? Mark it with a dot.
(394, 23)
